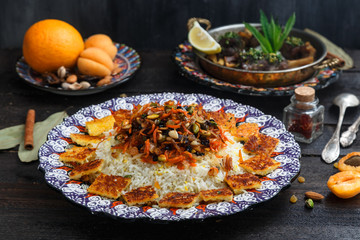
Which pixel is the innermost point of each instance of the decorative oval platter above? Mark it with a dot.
(57, 174)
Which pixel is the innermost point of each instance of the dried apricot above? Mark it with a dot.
(351, 162)
(345, 184)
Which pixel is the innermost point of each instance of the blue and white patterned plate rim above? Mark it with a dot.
(57, 177)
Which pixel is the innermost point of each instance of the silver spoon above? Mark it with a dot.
(332, 149)
(348, 137)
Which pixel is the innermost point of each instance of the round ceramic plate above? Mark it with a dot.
(57, 175)
(189, 67)
(127, 59)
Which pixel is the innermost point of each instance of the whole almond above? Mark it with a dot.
(314, 196)
(71, 79)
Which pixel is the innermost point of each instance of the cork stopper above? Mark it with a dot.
(305, 94)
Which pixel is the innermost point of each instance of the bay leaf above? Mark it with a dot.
(41, 129)
(12, 136)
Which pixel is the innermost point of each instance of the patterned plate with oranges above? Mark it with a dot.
(126, 58)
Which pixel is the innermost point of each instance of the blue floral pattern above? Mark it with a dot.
(56, 174)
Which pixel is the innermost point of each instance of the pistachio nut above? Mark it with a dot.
(152, 116)
(309, 203)
(195, 128)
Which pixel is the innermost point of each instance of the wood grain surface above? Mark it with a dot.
(30, 209)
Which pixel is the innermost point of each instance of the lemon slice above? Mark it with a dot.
(200, 39)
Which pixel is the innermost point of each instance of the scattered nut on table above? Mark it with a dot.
(309, 203)
(314, 196)
(301, 179)
(293, 199)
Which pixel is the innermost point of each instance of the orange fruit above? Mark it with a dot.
(102, 41)
(50, 44)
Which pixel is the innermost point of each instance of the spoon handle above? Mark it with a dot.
(349, 135)
(332, 149)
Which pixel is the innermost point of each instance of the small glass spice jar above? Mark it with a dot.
(303, 117)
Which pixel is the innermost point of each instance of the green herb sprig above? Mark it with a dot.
(273, 38)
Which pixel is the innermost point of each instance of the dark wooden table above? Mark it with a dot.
(30, 209)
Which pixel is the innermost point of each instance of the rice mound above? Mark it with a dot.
(170, 178)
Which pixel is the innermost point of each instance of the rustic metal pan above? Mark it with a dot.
(276, 78)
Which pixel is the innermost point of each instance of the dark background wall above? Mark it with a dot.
(161, 24)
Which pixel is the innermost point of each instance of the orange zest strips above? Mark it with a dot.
(240, 156)
(253, 190)
(165, 115)
(267, 179)
(173, 210)
(185, 129)
(114, 204)
(201, 207)
(147, 148)
(157, 185)
(274, 154)
(90, 195)
(152, 129)
(242, 119)
(81, 128)
(65, 168)
(154, 135)
(126, 145)
(150, 134)
(68, 140)
(142, 132)
(221, 109)
(145, 208)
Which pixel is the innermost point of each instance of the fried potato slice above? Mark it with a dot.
(216, 195)
(78, 155)
(260, 165)
(121, 115)
(97, 126)
(178, 200)
(261, 145)
(243, 131)
(85, 140)
(140, 196)
(109, 186)
(241, 182)
(86, 169)
(225, 120)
